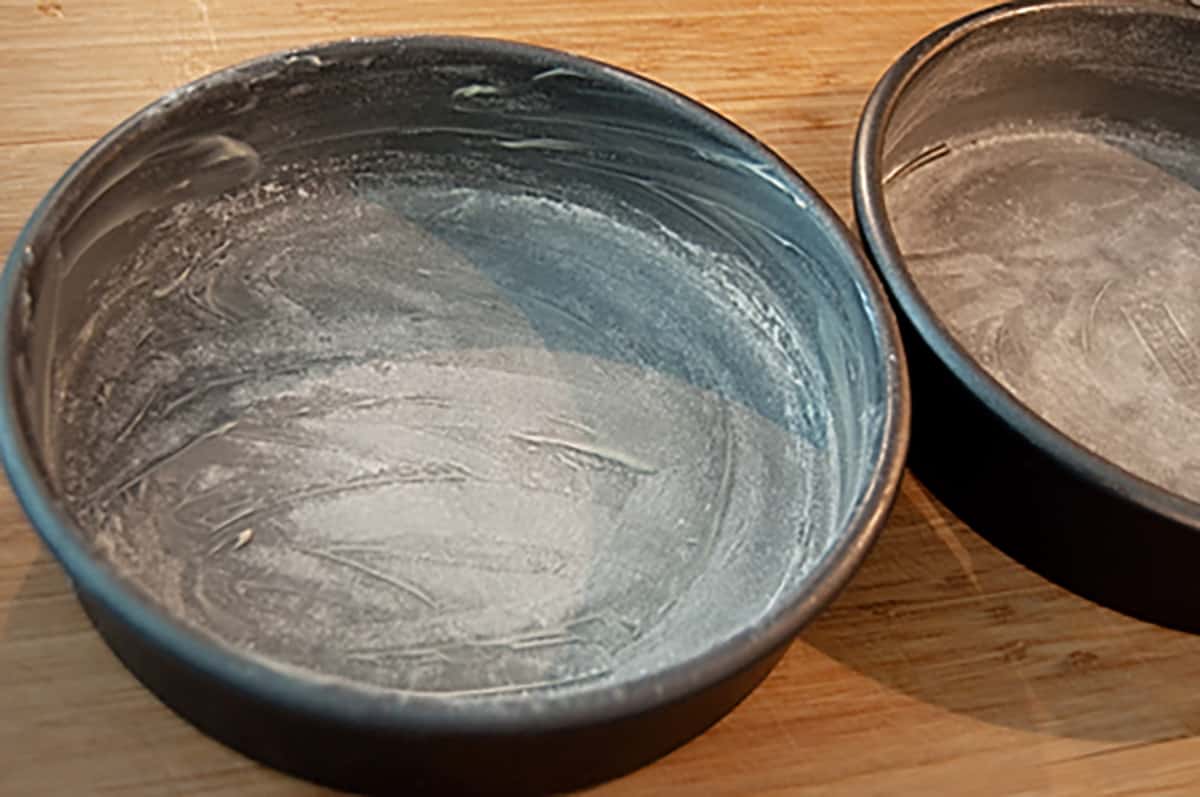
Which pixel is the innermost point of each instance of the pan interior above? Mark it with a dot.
(1042, 178)
(449, 370)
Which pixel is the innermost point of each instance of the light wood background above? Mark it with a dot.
(945, 668)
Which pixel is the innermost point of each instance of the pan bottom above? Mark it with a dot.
(1065, 261)
(434, 439)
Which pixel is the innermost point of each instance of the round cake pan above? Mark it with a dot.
(446, 414)
(1027, 180)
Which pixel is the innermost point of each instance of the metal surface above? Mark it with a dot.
(447, 384)
(1027, 180)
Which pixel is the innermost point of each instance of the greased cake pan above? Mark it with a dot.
(444, 414)
(1027, 181)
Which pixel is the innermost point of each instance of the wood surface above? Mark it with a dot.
(944, 669)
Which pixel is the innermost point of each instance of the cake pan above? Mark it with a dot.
(1026, 181)
(446, 414)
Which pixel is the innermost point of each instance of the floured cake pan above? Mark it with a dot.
(446, 414)
(1027, 181)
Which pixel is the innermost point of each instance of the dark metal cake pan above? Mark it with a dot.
(446, 414)
(1027, 181)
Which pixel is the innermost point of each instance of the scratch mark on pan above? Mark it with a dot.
(329, 490)
(173, 285)
(210, 297)
(922, 159)
(550, 683)
(1166, 342)
(547, 641)
(195, 301)
(147, 470)
(199, 390)
(589, 450)
(410, 589)
(556, 144)
(740, 538)
(1091, 319)
(136, 420)
(377, 656)
(725, 488)
(574, 424)
(546, 638)
(274, 437)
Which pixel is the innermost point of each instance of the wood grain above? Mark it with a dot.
(945, 668)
